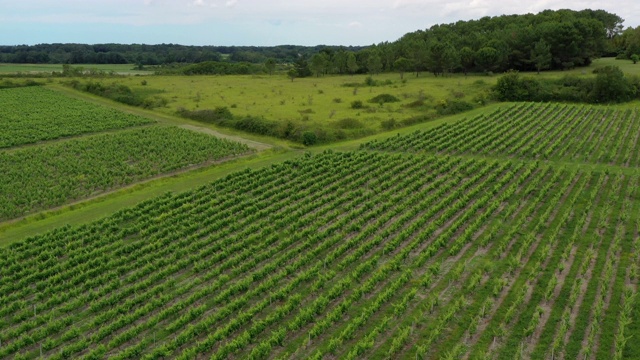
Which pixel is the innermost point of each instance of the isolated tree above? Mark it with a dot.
(270, 65)
(352, 64)
(541, 55)
(635, 58)
(292, 74)
(401, 65)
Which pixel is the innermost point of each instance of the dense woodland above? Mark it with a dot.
(548, 40)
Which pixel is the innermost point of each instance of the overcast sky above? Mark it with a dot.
(257, 22)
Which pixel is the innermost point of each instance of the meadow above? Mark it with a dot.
(334, 107)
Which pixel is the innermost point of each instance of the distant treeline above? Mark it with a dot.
(154, 54)
(561, 39)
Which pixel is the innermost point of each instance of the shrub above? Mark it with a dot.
(357, 104)
(453, 107)
(309, 138)
(349, 123)
(415, 104)
(389, 124)
(216, 115)
(383, 98)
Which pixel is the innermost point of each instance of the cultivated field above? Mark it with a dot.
(549, 132)
(349, 255)
(62, 172)
(78, 164)
(32, 114)
(514, 234)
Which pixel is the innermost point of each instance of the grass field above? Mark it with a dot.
(323, 104)
(509, 232)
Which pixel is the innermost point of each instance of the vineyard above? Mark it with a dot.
(51, 115)
(345, 255)
(65, 171)
(547, 132)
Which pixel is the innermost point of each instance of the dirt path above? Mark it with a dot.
(250, 143)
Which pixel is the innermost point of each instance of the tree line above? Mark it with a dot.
(557, 40)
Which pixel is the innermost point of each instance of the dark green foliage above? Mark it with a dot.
(222, 116)
(451, 107)
(309, 138)
(113, 91)
(212, 116)
(357, 104)
(349, 123)
(220, 68)
(7, 84)
(384, 98)
(389, 124)
(609, 86)
(415, 104)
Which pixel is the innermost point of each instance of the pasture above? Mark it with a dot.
(336, 107)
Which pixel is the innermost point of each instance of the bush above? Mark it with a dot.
(357, 104)
(309, 138)
(389, 124)
(384, 98)
(415, 104)
(453, 107)
(349, 123)
(216, 115)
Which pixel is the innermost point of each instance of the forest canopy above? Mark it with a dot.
(559, 39)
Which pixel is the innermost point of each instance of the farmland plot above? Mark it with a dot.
(527, 130)
(48, 175)
(33, 114)
(347, 255)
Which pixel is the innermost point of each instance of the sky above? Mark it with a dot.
(257, 22)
